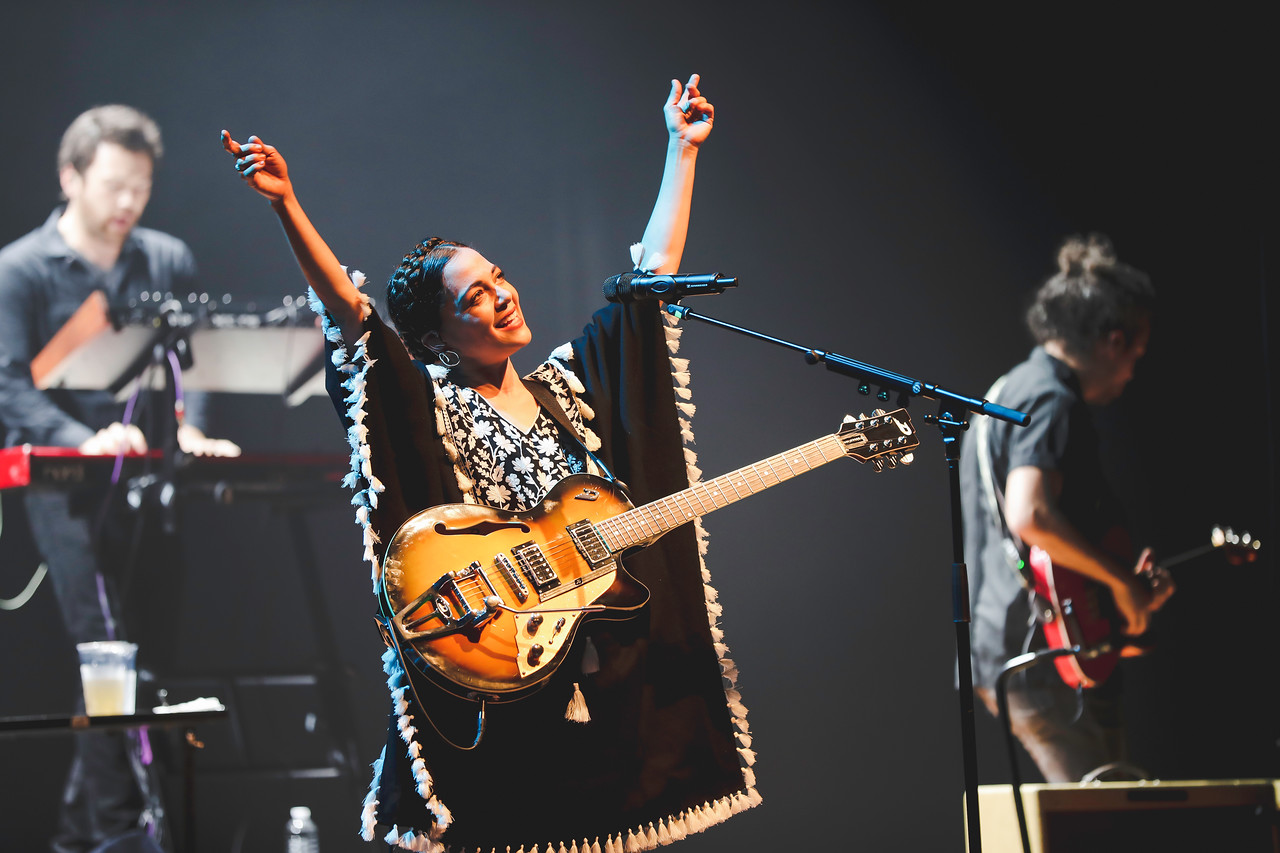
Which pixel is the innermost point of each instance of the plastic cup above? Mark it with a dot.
(108, 677)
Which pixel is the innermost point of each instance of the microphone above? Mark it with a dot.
(634, 286)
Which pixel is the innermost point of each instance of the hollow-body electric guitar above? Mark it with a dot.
(490, 600)
(1078, 611)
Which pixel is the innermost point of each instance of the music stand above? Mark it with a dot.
(235, 354)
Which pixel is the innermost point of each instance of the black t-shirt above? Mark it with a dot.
(1060, 437)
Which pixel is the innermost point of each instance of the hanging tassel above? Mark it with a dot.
(577, 710)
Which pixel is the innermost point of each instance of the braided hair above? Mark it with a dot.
(1092, 295)
(416, 291)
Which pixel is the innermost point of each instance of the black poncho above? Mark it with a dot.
(666, 750)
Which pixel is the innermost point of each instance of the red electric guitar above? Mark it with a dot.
(1078, 611)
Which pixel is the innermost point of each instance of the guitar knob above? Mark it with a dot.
(535, 654)
(535, 621)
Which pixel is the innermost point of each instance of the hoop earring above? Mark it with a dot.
(448, 358)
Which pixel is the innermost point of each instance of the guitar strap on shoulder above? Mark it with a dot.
(1015, 550)
(547, 400)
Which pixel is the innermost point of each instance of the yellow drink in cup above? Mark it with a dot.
(108, 677)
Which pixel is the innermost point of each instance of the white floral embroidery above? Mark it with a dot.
(512, 469)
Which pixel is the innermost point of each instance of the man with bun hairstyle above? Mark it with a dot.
(1043, 485)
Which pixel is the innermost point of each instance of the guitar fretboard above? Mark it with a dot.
(646, 523)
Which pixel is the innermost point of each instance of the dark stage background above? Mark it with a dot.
(888, 184)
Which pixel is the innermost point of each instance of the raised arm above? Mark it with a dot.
(264, 169)
(689, 117)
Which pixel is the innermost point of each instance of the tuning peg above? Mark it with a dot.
(877, 465)
(907, 458)
(875, 413)
(890, 461)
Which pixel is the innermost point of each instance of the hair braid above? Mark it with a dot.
(415, 292)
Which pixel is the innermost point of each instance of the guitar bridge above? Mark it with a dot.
(512, 577)
(445, 603)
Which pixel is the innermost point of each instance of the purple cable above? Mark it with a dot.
(128, 416)
(115, 478)
(179, 406)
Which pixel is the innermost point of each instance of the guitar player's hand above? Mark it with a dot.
(1157, 578)
(1142, 593)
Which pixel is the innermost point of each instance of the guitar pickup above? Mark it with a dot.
(535, 566)
(588, 541)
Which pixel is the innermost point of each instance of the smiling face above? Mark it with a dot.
(108, 197)
(480, 317)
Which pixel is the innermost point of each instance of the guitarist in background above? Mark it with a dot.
(1043, 485)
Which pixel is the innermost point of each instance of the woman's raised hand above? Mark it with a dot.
(689, 115)
(261, 166)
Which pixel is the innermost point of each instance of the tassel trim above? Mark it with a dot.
(354, 362)
(681, 381)
(636, 839)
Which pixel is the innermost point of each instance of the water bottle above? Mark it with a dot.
(301, 834)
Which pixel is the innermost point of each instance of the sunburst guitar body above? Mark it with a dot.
(493, 624)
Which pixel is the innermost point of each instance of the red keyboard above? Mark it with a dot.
(67, 468)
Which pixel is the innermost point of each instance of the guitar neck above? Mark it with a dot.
(646, 523)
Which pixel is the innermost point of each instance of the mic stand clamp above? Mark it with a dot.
(951, 420)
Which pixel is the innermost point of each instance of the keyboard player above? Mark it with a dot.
(93, 244)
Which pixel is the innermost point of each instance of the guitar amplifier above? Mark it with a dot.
(1239, 815)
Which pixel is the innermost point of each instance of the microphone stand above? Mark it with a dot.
(951, 419)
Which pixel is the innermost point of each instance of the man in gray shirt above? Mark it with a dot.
(92, 243)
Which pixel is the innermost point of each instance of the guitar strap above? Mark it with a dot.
(1015, 551)
(548, 402)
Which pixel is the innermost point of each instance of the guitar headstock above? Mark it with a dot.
(1238, 547)
(885, 439)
